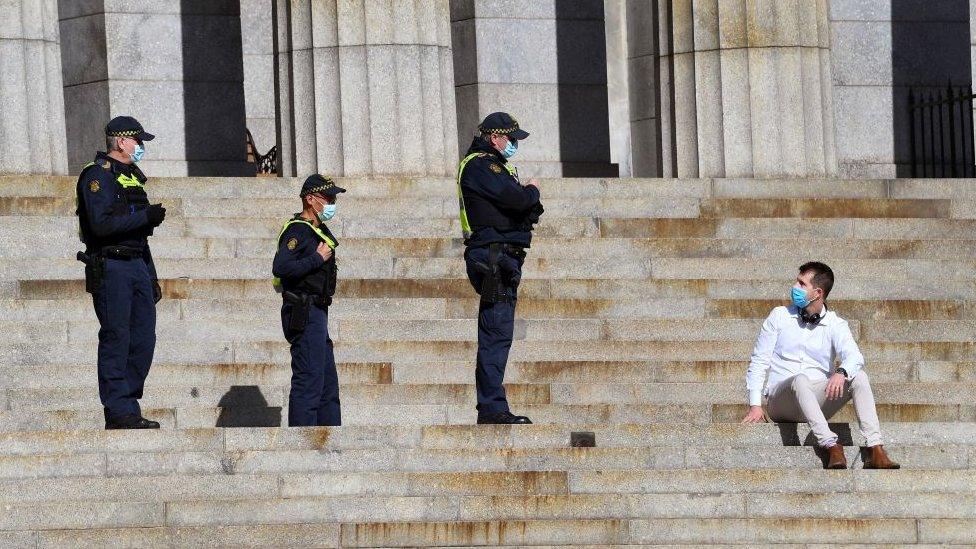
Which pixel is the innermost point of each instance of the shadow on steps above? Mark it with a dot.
(245, 406)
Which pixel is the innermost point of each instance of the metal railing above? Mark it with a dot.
(941, 132)
(264, 164)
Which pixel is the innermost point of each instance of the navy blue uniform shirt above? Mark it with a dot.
(496, 203)
(296, 257)
(111, 215)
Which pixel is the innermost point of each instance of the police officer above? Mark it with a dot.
(305, 274)
(115, 220)
(497, 215)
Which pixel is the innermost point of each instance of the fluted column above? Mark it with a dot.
(32, 136)
(744, 85)
(365, 87)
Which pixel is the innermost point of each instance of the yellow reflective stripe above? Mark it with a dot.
(324, 237)
(128, 181)
(276, 282)
(465, 225)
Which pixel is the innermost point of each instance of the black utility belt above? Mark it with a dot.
(297, 298)
(124, 253)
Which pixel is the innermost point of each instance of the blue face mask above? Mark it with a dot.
(799, 296)
(510, 149)
(327, 213)
(137, 153)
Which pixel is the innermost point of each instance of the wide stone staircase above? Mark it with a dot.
(640, 303)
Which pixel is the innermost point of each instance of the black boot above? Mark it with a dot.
(131, 422)
(503, 418)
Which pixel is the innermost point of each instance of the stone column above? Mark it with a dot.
(643, 89)
(32, 136)
(615, 14)
(744, 87)
(175, 65)
(257, 39)
(365, 87)
(545, 63)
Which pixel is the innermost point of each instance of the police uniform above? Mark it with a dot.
(307, 283)
(497, 214)
(115, 221)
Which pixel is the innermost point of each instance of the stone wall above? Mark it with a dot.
(32, 134)
(174, 65)
(880, 49)
(544, 62)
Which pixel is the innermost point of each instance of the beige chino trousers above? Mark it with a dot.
(798, 399)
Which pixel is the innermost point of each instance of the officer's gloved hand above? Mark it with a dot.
(157, 292)
(156, 214)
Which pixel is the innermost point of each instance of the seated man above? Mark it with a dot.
(797, 345)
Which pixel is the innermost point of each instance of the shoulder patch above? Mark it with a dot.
(94, 186)
(292, 243)
(495, 168)
(106, 164)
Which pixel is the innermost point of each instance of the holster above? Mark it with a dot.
(94, 270)
(300, 305)
(493, 287)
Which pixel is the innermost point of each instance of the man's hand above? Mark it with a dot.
(755, 415)
(835, 386)
(533, 183)
(324, 250)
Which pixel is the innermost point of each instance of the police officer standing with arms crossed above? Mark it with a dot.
(305, 274)
(497, 215)
(115, 221)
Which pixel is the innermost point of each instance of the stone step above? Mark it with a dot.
(262, 415)
(405, 186)
(377, 226)
(609, 248)
(428, 521)
(237, 486)
(404, 308)
(463, 437)
(246, 506)
(257, 536)
(608, 206)
(568, 394)
(68, 375)
(658, 531)
(446, 208)
(731, 291)
(584, 534)
(265, 325)
(923, 273)
(49, 185)
(277, 351)
(700, 457)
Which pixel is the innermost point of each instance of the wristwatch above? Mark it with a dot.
(842, 371)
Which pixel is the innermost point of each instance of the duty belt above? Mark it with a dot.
(295, 298)
(120, 252)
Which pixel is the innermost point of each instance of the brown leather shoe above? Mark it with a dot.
(878, 459)
(835, 457)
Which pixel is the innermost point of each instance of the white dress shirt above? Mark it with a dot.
(786, 346)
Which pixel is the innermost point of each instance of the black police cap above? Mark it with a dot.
(317, 183)
(126, 126)
(504, 124)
